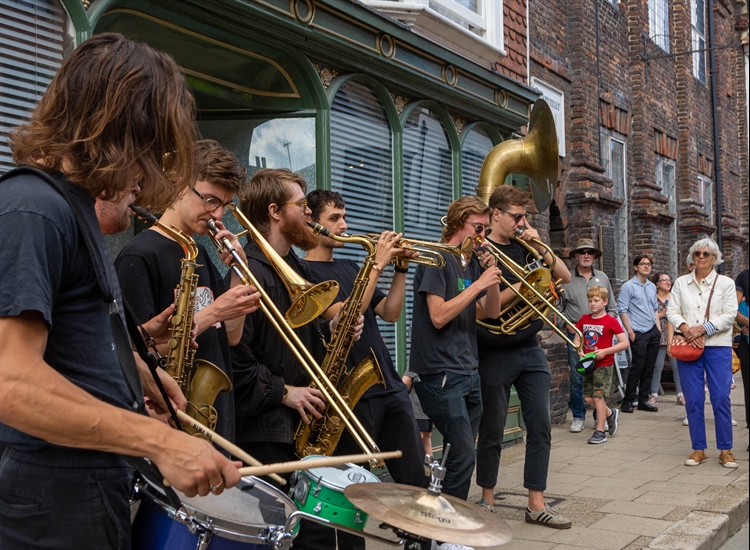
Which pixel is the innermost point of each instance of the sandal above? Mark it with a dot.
(680, 399)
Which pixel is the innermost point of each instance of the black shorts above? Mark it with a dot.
(425, 426)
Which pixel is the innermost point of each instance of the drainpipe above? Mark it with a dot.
(715, 113)
(598, 78)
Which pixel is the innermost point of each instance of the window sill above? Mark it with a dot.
(433, 26)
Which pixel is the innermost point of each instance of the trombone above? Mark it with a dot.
(269, 309)
(429, 252)
(533, 299)
(308, 301)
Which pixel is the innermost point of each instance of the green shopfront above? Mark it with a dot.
(349, 98)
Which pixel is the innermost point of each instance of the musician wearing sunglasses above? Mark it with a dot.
(518, 360)
(584, 276)
(447, 303)
(149, 267)
(71, 402)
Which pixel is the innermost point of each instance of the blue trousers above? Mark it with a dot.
(454, 404)
(577, 404)
(716, 363)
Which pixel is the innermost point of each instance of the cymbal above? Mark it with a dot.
(444, 518)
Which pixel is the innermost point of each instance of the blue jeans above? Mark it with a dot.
(454, 404)
(659, 365)
(577, 404)
(716, 362)
(526, 368)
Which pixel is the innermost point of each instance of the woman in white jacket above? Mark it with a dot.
(687, 313)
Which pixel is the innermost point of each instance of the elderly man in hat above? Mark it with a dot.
(583, 277)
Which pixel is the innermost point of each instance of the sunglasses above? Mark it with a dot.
(516, 217)
(587, 252)
(478, 227)
(702, 254)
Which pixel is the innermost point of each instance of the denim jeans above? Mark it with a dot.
(577, 404)
(659, 366)
(527, 369)
(716, 363)
(64, 499)
(454, 404)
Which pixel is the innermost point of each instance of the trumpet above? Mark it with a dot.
(534, 298)
(308, 301)
(429, 252)
(333, 398)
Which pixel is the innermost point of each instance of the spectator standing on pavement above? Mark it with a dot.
(704, 303)
(637, 306)
(598, 328)
(663, 282)
(584, 277)
(742, 285)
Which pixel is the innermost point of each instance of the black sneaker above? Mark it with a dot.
(613, 421)
(597, 438)
(626, 407)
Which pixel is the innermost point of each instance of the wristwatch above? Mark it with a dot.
(286, 394)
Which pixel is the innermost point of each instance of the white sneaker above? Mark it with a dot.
(685, 422)
(734, 422)
(577, 425)
(453, 546)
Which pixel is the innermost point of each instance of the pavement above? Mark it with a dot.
(633, 491)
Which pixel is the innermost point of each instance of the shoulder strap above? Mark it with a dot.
(708, 306)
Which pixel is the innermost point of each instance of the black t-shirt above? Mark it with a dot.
(524, 337)
(742, 282)
(345, 273)
(454, 347)
(46, 268)
(149, 267)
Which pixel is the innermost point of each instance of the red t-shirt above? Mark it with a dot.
(597, 334)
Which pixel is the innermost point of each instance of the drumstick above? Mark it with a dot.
(286, 467)
(225, 444)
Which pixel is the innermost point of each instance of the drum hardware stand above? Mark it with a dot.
(436, 471)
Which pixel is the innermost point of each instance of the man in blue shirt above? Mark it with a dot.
(637, 306)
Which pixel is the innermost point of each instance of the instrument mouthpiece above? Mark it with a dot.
(143, 214)
(319, 229)
(519, 230)
(212, 226)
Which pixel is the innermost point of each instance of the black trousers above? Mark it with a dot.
(63, 499)
(644, 350)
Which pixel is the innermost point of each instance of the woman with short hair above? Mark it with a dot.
(691, 295)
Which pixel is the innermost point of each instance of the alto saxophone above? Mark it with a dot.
(321, 436)
(200, 380)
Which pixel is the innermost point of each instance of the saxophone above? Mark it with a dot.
(200, 380)
(321, 436)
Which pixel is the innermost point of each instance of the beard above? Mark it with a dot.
(297, 232)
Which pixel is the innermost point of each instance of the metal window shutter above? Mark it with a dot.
(31, 51)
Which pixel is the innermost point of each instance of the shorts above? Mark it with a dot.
(598, 383)
(425, 425)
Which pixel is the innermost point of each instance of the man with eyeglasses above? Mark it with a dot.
(638, 309)
(576, 304)
(516, 360)
(149, 267)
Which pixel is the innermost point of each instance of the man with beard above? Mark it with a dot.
(149, 267)
(272, 390)
(516, 360)
(576, 305)
(71, 393)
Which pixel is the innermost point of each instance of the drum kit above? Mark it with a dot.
(255, 515)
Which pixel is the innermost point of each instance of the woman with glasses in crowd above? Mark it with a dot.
(704, 305)
(663, 282)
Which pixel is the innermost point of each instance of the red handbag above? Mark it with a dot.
(680, 349)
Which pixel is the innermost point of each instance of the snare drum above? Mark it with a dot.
(320, 492)
(249, 516)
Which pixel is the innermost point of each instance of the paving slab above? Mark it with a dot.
(643, 510)
(607, 492)
(698, 531)
(587, 537)
(629, 524)
(672, 499)
(682, 488)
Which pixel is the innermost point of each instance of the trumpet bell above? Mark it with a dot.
(310, 303)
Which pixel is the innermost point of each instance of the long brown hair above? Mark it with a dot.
(117, 113)
(459, 211)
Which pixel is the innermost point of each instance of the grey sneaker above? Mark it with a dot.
(597, 438)
(606, 424)
(484, 505)
(613, 420)
(549, 518)
(577, 425)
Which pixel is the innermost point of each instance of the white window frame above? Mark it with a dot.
(698, 41)
(620, 190)
(488, 12)
(665, 178)
(658, 23)
(706, 192)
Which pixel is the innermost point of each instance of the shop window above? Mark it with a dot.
(36, 36)
(698, 30)
(658, 22)
(613, 148)
(476, 147)
(362, 171)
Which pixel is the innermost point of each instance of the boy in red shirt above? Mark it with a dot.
(598, 328)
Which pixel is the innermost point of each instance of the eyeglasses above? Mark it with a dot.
(211, 203)
(665, 281)
(587, 252)
(702, 254)
(516, 217)
(646, 264)
(302, 204)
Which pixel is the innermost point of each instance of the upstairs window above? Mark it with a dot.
(698, 25)
(613, 161)
(658, 22)
(706, 190)
(665, 171)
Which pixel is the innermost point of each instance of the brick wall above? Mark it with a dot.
(515, 41)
